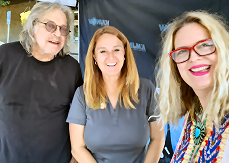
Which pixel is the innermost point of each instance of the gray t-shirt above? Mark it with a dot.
(116, 136)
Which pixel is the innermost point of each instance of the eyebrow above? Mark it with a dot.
(47, 20)
(105, 47)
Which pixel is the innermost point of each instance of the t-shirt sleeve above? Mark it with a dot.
(77, 112)
(152, 111)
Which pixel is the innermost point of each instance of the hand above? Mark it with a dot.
(73, 160)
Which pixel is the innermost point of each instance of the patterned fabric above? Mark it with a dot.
(213, 148)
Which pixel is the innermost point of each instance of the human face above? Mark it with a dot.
(109, 55)
(50, 42)
(198, 71)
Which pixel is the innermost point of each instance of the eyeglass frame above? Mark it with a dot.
(55, 28)
(189, 49)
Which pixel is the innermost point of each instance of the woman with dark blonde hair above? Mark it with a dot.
(194, 82)
(113, 113)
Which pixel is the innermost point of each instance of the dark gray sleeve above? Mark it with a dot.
(151, 111)
(77, 112)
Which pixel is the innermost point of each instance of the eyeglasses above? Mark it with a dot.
(51, 27)
(204, 47)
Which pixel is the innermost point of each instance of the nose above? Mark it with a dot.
(57, 31)
(194, 56)
(111, 55)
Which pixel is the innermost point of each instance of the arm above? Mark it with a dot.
(79, 151)
(73, 160)
(157, 141)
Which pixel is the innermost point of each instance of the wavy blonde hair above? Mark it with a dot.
(128, 84)
(176, 97)
(27, 39)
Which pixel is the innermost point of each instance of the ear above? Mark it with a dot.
(94, 57)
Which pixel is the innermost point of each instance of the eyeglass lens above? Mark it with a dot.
(203, 48)
(51, 27)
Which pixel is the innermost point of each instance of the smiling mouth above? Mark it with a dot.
(111, 64)
(54, 42)
(200, 69)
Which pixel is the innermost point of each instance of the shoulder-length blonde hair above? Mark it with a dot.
(176, 97)
(27, 39)
(128, 84)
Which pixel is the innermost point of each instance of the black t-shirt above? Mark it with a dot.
(34, 102)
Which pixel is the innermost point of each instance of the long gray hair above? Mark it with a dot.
(27, 39)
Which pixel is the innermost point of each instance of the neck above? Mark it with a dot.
(42, 56)
(204, 96)
(111, 84)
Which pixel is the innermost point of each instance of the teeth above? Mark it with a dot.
(54, 42)
(200, 69)
(111, 64)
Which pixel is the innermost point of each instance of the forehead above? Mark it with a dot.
(108, 40)
(55, 15)
(189, 34)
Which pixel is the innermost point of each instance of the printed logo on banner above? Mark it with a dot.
(163, 26)
(100, 22)
(137, 46)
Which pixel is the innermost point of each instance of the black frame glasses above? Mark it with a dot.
(209, 44)
(52, 27)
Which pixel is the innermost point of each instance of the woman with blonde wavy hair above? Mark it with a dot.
(113, 114)
(194, 82)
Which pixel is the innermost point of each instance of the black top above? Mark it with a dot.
(34, 102)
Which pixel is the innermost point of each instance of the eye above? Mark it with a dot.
(117, 50)
(103, 51)
(63, 28)
(181, 52)
(206, 44)
(51, 25)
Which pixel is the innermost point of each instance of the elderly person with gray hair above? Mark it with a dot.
(37, 83)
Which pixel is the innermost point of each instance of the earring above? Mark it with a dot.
(95, 63)
(124, 58)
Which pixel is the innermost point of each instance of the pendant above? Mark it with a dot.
(199, 132)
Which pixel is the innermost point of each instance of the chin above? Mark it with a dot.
(202, 86)
(53, 52)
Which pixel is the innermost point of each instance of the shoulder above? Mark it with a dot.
(69, 63)
(10, 49)
(80, 91)
(146, 89)
(70, 60)
(11, 46)
(79, 98)
(146, 84)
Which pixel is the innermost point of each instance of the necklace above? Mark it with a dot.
(199, 127)
(199, 131)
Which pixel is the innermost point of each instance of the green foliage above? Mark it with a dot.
(4, 3)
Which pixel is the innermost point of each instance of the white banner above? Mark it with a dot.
(64, 2)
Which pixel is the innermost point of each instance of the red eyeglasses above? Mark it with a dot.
(204, 47)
